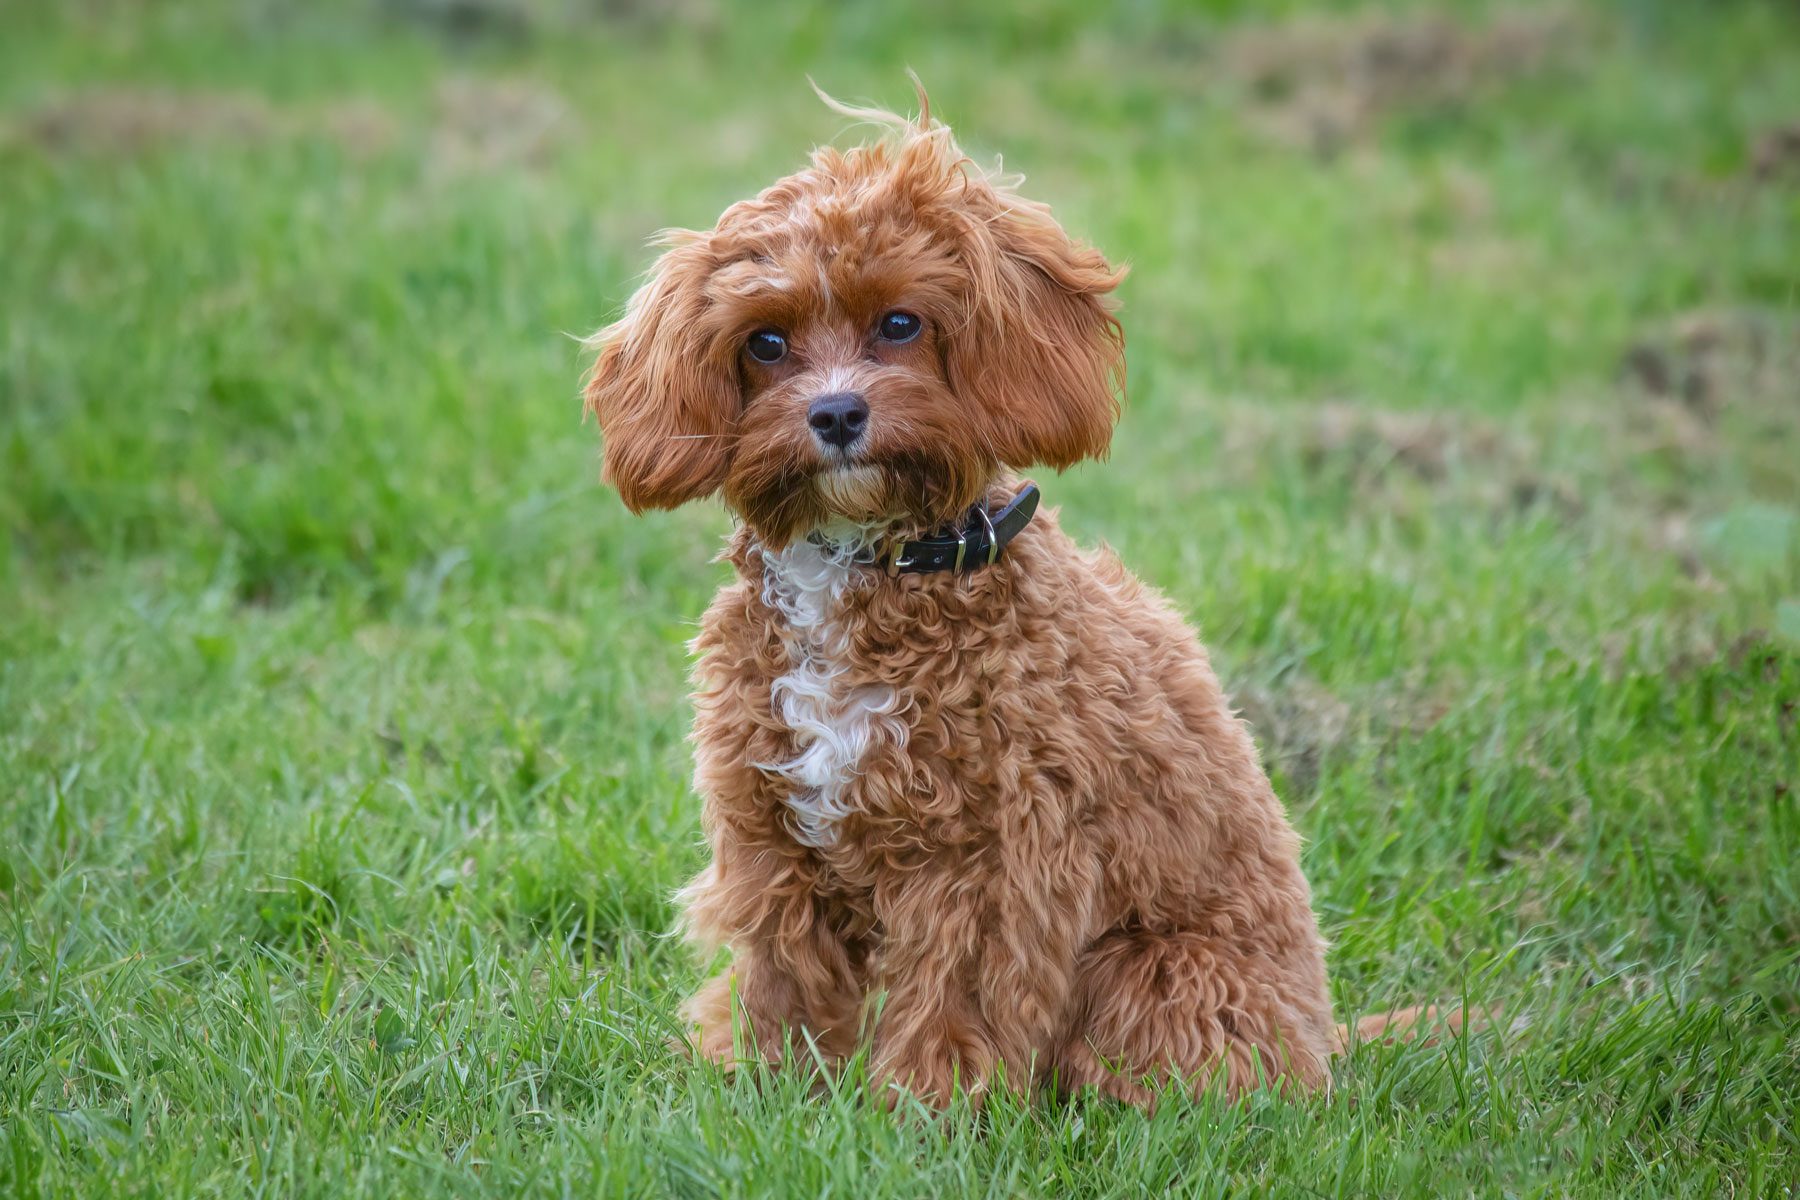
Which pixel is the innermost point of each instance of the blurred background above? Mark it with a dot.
(1464, 421)
(288, 283)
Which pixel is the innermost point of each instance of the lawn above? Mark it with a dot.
(342, 772)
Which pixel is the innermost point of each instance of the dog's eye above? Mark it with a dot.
(899, 327)
(767, 346)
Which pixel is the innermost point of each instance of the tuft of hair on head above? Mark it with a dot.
(882, 117)
(920, 134)
(920, 138)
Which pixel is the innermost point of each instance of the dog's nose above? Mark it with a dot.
(839, 418)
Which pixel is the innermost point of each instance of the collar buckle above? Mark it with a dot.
(993, 539)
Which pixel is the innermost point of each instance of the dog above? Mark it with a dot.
(975, 799)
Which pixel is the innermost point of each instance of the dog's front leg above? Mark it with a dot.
(791, 974)
(977, 960)
(747, 1011)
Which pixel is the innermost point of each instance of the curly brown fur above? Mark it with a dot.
(1004, 823)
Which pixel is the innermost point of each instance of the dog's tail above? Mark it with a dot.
(1422, 1023)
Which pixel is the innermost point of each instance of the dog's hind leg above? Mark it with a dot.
(1148, 1006)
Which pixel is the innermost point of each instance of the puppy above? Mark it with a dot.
(972, 793)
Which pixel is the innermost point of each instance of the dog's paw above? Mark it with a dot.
(932, 1080)
(728, 1047)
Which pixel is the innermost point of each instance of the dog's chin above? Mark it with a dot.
(905, 495)
(857, 493)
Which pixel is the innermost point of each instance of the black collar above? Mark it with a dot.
(974, 542)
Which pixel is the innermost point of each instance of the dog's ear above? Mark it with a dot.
(665, 388)
(1041, 353)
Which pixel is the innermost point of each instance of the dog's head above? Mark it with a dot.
(869, 340)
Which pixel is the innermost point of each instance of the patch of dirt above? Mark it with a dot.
(1399, 459)
(469, 20)
(1324, 82)
(514, 21)
(1775, 153)
(362, 127)
(1752, 660)
(476, 125)
(1377, 441)
(485, 125)
(1298, 724)
(1486, 257)
(1710, 411)
(123, 121)
(1708, 360)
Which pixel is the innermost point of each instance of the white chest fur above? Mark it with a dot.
(834, 722)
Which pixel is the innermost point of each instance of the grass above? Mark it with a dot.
(341, 709)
